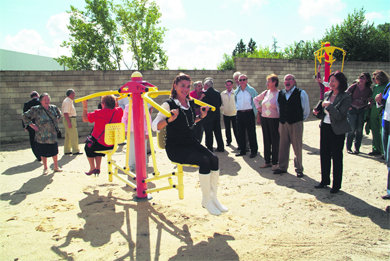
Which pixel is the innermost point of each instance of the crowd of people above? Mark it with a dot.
(343, 111)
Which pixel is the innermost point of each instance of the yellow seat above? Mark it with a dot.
(114, 134)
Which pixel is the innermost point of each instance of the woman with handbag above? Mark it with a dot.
(46, 118)
(181, 144)
(334, 125)
(95, 142)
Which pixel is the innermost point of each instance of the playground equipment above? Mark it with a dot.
(326, 52)
(138, 91)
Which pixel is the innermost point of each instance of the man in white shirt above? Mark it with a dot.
(229, 111)
(71, 144)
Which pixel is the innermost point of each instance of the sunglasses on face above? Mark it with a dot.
(243, 80)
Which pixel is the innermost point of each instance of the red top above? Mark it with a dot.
(101, 118)
(193, 94)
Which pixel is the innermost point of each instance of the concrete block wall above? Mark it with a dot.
(16, 86)
(258, 69)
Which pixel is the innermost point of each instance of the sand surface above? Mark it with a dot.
(72, 216)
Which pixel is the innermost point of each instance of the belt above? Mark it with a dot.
(72, 117)
(245, 110)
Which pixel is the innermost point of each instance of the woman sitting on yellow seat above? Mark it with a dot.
(182, 146)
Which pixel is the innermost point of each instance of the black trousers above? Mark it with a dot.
(230, 122)
(198, 131)
(331, 148)
(270, 127)
(213, 126)
(33, 143)
(246, 123)
(193, 154)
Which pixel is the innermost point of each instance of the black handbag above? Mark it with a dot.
(59, 134)
(320, 110)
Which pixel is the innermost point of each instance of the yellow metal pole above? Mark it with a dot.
(149, 126)
(94, 95)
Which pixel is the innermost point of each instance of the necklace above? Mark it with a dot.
(192, 115)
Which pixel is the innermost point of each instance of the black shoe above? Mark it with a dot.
(220, 150)
(321, 185)
(356, 152)
(386, 197)
(68, 153)
(252, 155)
(279, 171)
(77, 153)
(334, 190)
(349, 151)
(240, 154)
(212, 150)
(228, 143)
(374, 153)
(299, 174)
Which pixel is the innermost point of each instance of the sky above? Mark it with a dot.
(198, 33)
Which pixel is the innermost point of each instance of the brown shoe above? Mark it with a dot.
(275, 167)
(265, 165)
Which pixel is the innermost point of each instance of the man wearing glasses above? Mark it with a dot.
(294, 108)
(246, 116)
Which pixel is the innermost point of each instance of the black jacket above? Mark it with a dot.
(213, 97)
(33, 102)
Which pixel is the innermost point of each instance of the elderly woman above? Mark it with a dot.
(361, 95)
(333, 126)
(375, 118)
(108, 114)
(46, 118)
(183, 147)
(266, 104)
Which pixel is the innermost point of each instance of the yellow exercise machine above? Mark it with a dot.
(139, 93)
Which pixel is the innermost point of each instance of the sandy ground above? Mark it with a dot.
(72, 216)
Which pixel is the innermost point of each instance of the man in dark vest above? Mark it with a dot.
(294, 109)
(212, 122)
(33, 102)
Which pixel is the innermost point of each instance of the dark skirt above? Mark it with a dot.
(47, 149)
(90, 151)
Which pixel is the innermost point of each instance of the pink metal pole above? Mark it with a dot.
(139, 144)
(136, 86)
(327, 64)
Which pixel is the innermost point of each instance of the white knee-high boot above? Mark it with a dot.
(207, 201)
(214, 176)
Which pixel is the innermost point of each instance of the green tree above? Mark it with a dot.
(302, 50)
(94, 39)
(240, 49)
(139, 21)
(251, 46)
(227, 63)
(360, 39)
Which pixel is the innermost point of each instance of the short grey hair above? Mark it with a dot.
(236, 74)
(208, 81)
(197, 82)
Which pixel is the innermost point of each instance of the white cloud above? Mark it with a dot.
(57, 25)
(171, 9)
(189, 49)
(249, 5)
(373, 15)
(314, 8)
(28, 41)
(308, 30)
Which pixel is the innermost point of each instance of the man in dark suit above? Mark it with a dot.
(212, 122)
(33, 102)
